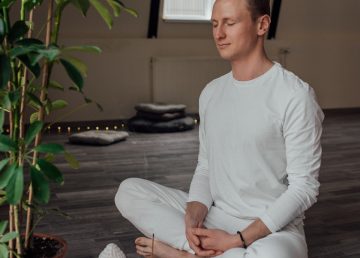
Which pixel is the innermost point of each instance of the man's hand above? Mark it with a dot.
(194, 218)
(216, 239)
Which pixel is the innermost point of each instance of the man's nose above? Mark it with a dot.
(219, 32)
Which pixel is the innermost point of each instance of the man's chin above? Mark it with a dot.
(225, 56)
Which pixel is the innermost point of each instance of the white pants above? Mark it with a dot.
(160, 210)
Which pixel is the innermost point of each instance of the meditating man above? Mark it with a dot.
(258, 163)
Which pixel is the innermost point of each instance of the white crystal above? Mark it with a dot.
(112, 251)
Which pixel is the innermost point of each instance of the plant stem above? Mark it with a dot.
(11, 228)
(17, 229)
(11, 119)
(11, 207)
(22, 113)
(43, 97)
(6, 19)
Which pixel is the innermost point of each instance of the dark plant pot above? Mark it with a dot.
(55, 246)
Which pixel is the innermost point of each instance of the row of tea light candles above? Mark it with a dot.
(69, 129)
(97, 128)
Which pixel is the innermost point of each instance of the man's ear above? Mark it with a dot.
(263, 24)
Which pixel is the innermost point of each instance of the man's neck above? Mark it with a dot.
(249, 68)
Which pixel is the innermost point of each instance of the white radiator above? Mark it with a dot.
(179, 80)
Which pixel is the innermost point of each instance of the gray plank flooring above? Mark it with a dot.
(332, 224)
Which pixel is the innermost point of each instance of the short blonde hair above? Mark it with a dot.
(258, 8)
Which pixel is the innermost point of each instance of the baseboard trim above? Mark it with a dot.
(341, 111)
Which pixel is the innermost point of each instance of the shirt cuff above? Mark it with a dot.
(269, 223)
(205, 201)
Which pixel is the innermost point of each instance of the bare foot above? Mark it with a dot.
(161, 250)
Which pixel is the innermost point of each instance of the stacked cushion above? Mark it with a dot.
(160, 118)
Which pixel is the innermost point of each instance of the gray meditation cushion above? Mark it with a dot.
(160, 108)
(156, 117)
(98, 137)
(147, 126)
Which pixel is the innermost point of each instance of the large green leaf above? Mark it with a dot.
(2, 30)
(35, 102)
(53, 148)
(35, 58)
(115, 6)
(80, 65)
(73, 163)
(82, 5)
(50, 53)
(5, 101)
(48, 106)
(5, 70)
(49, 157)
(74, 73)
(4, 253)
(15, 188)
(33, 130)
(58, 104)
(127, 9)
(18, 30)
(34, 68)
(30, 42)
(56, 85)
(103, 11)
(3, 163)
(34, 117)
(51, 172)
(84, 48)
(21, 50)
(6, 144)
(7, 237)
(40, 186)
(131, 11)
(6, 176)
(3, 226)
(14, 97)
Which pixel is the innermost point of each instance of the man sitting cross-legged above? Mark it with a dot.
(258, 163)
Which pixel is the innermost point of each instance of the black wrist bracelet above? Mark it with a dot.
(242, 239)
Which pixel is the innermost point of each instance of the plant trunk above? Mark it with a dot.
(22, 133)
(17, 229)
(43, 96)
(11, 207)
(11, 228)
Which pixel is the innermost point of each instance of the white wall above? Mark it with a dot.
(322, 36)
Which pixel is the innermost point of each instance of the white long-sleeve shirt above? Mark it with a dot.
(260, 152)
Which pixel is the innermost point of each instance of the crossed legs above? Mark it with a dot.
(160, 210)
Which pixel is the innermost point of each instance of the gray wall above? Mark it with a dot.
(322, 36)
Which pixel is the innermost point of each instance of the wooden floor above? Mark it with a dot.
(332, 225)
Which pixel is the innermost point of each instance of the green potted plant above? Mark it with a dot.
(26, 64)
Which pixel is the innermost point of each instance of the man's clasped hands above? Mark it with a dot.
(206, 242)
